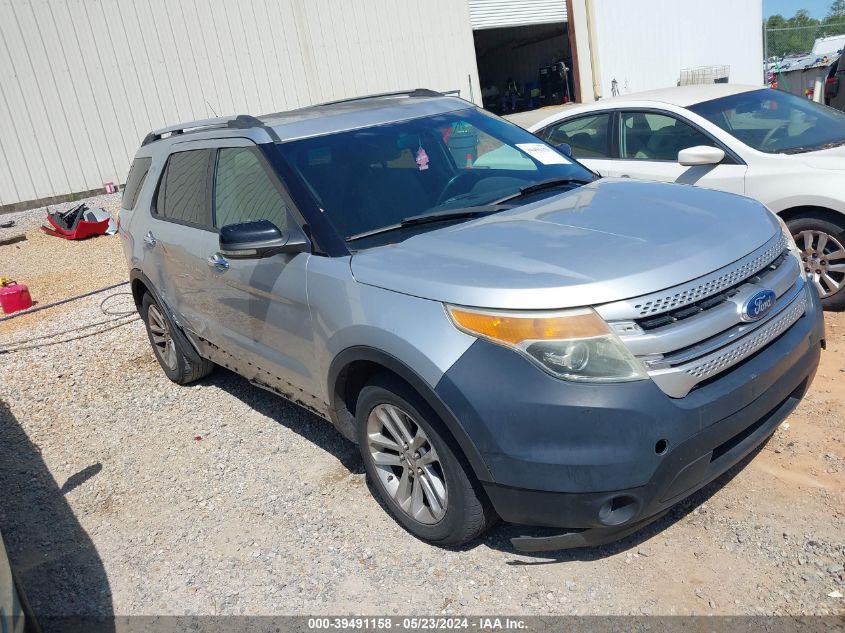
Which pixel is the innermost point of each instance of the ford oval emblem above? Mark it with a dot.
(758, 305)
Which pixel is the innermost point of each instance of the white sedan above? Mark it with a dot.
(785, 151)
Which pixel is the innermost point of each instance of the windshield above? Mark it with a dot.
(374, 178)
(776, 122)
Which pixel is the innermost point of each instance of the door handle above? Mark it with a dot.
(219, 262)
(149, 239)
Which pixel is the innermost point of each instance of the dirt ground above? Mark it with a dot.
(268, 511)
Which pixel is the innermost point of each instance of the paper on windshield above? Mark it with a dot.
(542, 153)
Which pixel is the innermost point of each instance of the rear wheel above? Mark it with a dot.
(411, 461)
(822, 243)
(169, 350)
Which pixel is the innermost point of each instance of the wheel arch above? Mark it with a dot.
(826, 213)
(140, 285)
(353, 367)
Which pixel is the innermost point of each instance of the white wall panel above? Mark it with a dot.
(83, 81)
(493, 14)
(645, 44)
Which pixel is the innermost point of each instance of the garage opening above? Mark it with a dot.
(524, 67)
(523, 53)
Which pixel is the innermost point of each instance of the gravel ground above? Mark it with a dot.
(124, 493)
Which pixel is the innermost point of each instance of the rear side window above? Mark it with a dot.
(183, 194)
(134, 182)
(245, 190)
(588, 136)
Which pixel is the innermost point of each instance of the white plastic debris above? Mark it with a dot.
(98, 215)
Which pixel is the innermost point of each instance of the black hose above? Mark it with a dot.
(58, 303)
(126, 321)
(125, 316)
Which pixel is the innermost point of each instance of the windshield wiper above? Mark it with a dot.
(541, 186)
(812, 148)
(430, 218)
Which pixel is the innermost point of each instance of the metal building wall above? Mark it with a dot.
(82, 81)
(645, 44)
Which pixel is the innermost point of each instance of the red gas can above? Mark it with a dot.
(14, 297)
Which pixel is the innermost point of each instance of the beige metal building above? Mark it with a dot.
(83, 81)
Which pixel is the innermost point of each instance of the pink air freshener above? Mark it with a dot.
(422, 159)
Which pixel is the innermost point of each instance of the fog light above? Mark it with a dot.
(618, 510)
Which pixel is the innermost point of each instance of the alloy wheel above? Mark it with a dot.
(162, 340)
(406, 464)
(824, 261)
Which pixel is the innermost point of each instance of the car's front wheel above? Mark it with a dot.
(822, 243)
(417, 470)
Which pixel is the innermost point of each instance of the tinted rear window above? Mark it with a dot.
(134, 182)
(183, 192)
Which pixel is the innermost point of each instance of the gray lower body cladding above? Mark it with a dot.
(571, 455)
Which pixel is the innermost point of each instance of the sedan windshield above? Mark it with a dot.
(385, 183)
(776, 122)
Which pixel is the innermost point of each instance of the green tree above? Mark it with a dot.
(837, 11)
(793, 35)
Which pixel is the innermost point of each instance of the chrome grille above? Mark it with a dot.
(693, 332)
(711, 284)
(749, 344)
(678, 381)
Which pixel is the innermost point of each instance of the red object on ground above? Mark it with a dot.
(14, 297)
(83, 229)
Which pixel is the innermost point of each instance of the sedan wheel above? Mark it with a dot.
(824, 261)
(407, 464)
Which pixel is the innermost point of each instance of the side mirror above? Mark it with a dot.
(260, 238)
(565, 148)
(700, 155)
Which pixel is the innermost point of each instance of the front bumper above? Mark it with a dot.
(607, 459)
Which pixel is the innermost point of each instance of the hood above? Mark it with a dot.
(606, 241)
(833, 158)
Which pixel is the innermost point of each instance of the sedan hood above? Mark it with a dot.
(606, 241)
(833, 158)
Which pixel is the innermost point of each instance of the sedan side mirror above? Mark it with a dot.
(565, 148)
(701, 155)
(260, 238)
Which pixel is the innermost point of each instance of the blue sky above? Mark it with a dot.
(787, 8)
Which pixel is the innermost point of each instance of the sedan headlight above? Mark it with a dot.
(571, 344)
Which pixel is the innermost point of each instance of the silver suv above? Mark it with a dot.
(503, 334)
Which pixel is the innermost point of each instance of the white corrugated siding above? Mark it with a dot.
(493, 14)
(645, 44)
(82, 81)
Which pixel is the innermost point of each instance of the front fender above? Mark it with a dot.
(453, 424)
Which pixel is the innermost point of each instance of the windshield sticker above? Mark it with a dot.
(543, 153)
(422, 159)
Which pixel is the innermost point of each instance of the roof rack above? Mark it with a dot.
(239, 121)
(416, 92)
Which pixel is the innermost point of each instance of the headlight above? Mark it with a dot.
(572, 344)
(790, 241)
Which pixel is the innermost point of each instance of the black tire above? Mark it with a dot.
(181, 370)
(834, 229)
(468, 512)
